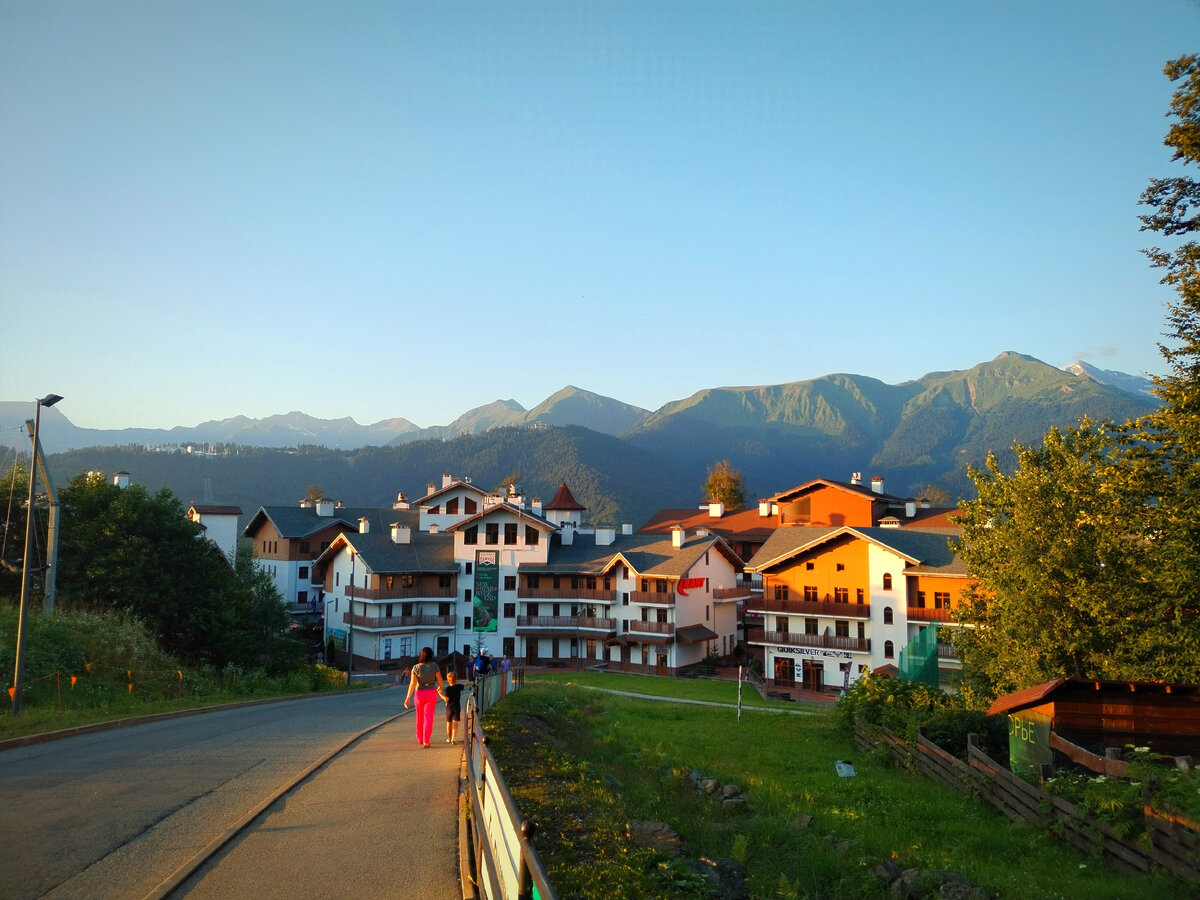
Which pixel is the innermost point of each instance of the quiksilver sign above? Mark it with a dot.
(687, 584)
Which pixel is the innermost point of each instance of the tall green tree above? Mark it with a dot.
(128, 549)
(1086, 559)
(725, 485)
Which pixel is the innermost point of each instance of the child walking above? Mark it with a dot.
(451, 693)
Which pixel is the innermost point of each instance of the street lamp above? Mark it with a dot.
(26, 578)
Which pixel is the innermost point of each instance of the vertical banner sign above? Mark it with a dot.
(487, 591)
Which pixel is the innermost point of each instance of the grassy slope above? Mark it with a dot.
(564, 749)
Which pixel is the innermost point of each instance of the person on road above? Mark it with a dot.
(452, 695)
(426, 682)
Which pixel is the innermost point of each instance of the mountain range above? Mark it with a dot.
(916, 433)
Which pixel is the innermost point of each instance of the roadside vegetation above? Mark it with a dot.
(88, 667)
(582, 763)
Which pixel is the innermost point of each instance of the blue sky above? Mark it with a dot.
(379, 209)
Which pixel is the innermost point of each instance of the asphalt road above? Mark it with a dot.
(117, 813)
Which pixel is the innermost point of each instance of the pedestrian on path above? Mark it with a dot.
(426, 682)
(452, 695)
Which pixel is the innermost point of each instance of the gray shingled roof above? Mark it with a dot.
(929, 550)
(430, 553)
(294, 522)
(646, 554)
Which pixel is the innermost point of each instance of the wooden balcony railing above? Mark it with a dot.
(416, 592)
(826, 641)
(733, 593)
(927, 614)
(401, 621)
(567, 623)
(636, 625)
(667, 598)
(795, 607)
(574, 594)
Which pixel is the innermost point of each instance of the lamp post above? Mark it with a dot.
(26, 577)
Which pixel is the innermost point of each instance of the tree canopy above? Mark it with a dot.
(129, 549)
(724, 485)
(1086, 559)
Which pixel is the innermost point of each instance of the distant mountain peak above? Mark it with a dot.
(1138, 385)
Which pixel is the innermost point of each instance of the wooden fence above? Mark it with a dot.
(1171, 842)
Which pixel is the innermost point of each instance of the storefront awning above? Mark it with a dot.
(695, 634)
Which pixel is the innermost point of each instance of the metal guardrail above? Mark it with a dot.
(506, 863)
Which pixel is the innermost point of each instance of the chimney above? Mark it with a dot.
(626, 528)
(856, 477)
(324, 507)
(910, 508)
(447, 479)
(877, 484)
(430, 488)
(364, 525)
(535, 505)
(401, 534)
(567, 531)
(306, 504)
(605, 535)
(401, 502)
(677, 534)
(716, 510)
(433, 529)
(764, 509)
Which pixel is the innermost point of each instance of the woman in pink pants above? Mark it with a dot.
(426, 682)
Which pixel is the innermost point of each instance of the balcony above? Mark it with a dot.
(927, 614)
(666, 598)
(566, 624)
(828, 608)
(824, 641)
(401, 621)
(569, 594)
(639, 627)
(946, 651)
(416, 592)
(733, 593)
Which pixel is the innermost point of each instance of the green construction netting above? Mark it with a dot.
(919, 660)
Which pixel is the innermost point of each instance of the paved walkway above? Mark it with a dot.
(381, 820)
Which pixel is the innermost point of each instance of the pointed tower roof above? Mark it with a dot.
(564, 500)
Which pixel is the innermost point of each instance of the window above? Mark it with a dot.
(941, 600)
(858, 593)
(510, 533)
(510, 610)
(303, 572)
(452, 507)
(590, 582)
(889, 651)
(662, 587)
(781, 592)
(304, 547)
(810, 626)
(862, 630)
(920, 599)
(841, 567)
(841, 595)
(302, 598)
(510, 582)
(533, 581)
(531, 536)
(808, 566)
(466, 595)
(645, 585)
(467, 567)
(509, 647)
(467, 625)
(887, 581)
(471, 534)
(469, 506)
(491, 532)
(888, 618)
(557, 582)
(810, 593)
(443, 581)
(841, 628)
(781, 624)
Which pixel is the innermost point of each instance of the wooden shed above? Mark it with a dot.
(1101, 714)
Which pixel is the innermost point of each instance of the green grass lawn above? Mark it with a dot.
(582, 763)
(702, 689)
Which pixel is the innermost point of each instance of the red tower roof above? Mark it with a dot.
(564, 500)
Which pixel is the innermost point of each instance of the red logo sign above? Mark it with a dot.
(686, 584)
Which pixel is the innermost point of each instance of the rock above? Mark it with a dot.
(653, 835)
(802, 821)
(730, 790)
(735, 804)
(695, 777)
(886, 870)
(726, 878)
(710, 785)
